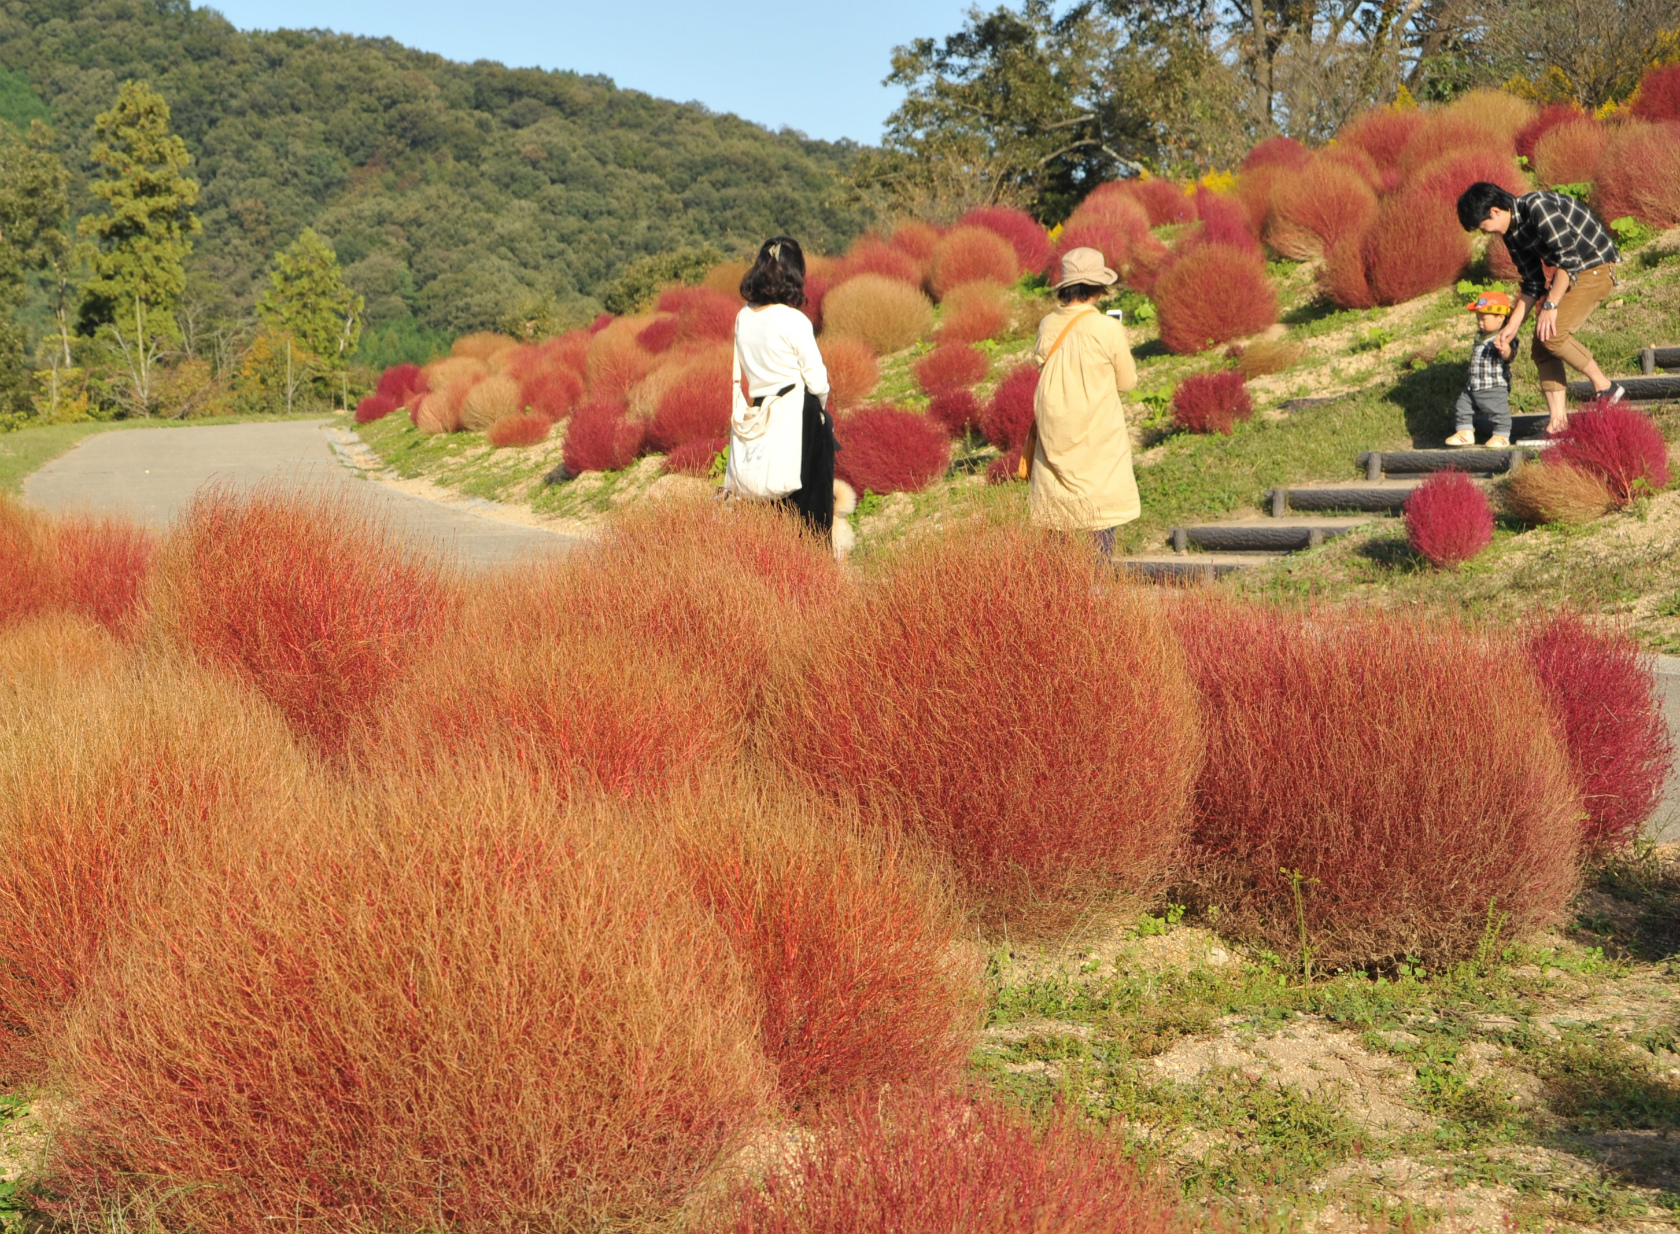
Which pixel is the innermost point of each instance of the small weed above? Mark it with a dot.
(1631, 233)
(1374, 339)
(1149, 927)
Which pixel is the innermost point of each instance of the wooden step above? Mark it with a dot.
(1639, 389)
(1264, 535)
(1373, 495)
(1477, 460)
(1654, 358)
(1191, 567)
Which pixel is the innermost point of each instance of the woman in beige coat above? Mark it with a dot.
(1081, 467)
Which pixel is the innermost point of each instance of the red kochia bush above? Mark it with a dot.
(1383, 133)
(1225, 220)
(1276, 152)
(102, 566)
(445, 1006)
(694, 457)
(851, 938)
(871, 256)
(969, 254)
(885, 449)
(1658, 96)
(601, 437)
(1415, 246)
(374, 407)
(1571, 153)
(552, 392)
(1213, 294)
(697, 405)
(1609, 718)
(1025, 233)
(1336, 753)
(996, 693)
(1212, 402)
(1010, 413)
(524, 429)
(28, 577)
(958, 410)
(914, 1162)
(1164, 201)
(1317, 206)
(951, 368)
(306, 596)
(1543, 122)
(1617, 443)
(399, 382)
(1639, 176)
(1448, 519)
(108, 782)
(853, 371)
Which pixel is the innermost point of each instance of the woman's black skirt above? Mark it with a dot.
(814, 498)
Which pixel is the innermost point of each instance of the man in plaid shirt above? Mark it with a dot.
(1550, 229)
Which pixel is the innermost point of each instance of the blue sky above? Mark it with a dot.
(815, 67)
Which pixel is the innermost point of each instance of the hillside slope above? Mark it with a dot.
(454, 192)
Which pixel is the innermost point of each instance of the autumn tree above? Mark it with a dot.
(138, 244)
(308, 300)
(32, 242)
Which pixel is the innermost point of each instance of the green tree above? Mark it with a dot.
(139, 243)
(308, 300)
(32, 241)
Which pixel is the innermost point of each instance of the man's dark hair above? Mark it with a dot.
(1480, 200)
(778, 276)
(1075, 292)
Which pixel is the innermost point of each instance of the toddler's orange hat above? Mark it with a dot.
(1491, 302)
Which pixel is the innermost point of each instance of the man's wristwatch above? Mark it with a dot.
(1546, 306)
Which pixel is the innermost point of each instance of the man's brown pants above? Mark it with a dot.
(1589, 287)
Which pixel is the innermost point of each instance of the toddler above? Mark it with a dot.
(1489, 389)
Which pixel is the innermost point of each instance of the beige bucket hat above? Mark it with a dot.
(1086, 266)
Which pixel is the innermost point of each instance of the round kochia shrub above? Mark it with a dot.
(958, 410)
(446, 1005)
(951, 368)
(1557, 492)
(1448, 519)
(1009, 414)
(306, 597)
(1336, 747)
(1658, 96)
(1543, 122)
(970, 254)
(919, 1162)
(1213, 294)
(1212, 402)
(1639, 176)
(1041, 731)
(374, 407)
(521, 429)
(1609, 717)
(974, 312)
(1024, 233)
(1622, 446)
(853, 371)
(886, 449)
(600, 437)
(109, 781)
(1571, 152)
(883, 312)
(1316, 206)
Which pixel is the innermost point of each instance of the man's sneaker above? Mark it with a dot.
(1615, 394)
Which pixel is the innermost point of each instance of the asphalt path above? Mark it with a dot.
(150, 474)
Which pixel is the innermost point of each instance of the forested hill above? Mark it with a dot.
(454, 193)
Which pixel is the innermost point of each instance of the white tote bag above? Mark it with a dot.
(766, 442)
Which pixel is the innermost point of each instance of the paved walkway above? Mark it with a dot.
(151, 473)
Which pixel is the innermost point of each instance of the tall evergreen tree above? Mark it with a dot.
(308, 300)
(140, 242)
(32, 239)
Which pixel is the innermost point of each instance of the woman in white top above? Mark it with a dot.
(778, 350)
